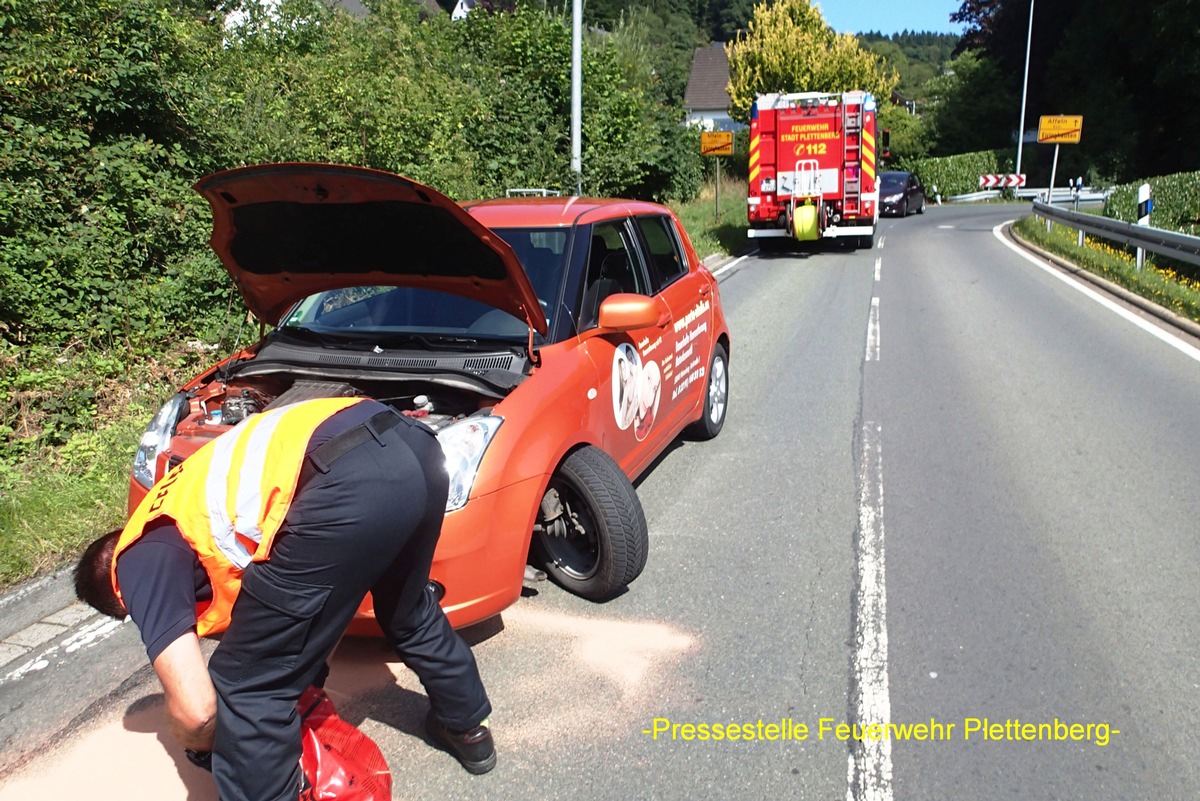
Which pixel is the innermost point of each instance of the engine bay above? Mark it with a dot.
(218, 406)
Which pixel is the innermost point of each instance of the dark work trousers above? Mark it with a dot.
(370, 523)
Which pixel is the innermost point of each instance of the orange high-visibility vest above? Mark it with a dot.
(230, 497)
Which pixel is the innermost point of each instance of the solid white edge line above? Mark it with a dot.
(1153, 330)
(870, 761)
(732, 264)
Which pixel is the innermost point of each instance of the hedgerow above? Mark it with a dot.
(112, 109)
(1176, 202)
(957, 175)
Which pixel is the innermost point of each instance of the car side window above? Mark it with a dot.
(665, 259)
(612, 267)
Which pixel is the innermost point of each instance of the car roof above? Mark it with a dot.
(554, 212)
(894, 174)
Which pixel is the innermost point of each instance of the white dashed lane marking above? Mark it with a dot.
(872, 354)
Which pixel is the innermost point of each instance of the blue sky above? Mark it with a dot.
(890, 16)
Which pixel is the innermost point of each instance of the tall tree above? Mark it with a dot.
(1126, 67)
(790, 48)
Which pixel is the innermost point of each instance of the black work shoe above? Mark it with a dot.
(473, 749)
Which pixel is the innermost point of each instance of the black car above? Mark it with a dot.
(901, 193)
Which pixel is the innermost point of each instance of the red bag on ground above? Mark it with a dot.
(339, 762)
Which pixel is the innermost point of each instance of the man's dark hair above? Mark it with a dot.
(93, 576)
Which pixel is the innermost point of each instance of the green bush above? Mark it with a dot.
(957, 175)
(1176, 202)
(95, 162)
(112, 109)
(1176, 208)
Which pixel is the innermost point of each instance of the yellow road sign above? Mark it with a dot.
(716, 143)
(1060, 130)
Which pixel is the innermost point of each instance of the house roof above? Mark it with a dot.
(709, 77)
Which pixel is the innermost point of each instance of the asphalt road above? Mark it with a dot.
(951, 487)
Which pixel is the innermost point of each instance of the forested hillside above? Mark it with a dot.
(1129, 68)
(917, 56)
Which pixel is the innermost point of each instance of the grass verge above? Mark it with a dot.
(1158, 284)
(59, 493)
(716, 230)
(50, 511)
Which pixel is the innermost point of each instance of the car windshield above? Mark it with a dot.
(401, 314)
(893, 183)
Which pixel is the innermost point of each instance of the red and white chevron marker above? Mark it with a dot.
(997, 181)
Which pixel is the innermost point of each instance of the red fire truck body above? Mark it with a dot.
(812, 167)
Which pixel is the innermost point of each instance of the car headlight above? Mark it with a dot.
(464, 444)
(157, 439)
(892, 198)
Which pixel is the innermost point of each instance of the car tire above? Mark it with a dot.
(921, 208)
(716, 397)
(590, 536)
(904, 208)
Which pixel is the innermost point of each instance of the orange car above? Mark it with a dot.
(556, 345)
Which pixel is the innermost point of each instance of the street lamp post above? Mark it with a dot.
(577, 94)
(1024, 89)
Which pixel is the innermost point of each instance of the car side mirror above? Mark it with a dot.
(625, 311)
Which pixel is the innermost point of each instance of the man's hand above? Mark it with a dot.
(191, 699)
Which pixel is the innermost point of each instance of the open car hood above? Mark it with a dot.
(286, 231)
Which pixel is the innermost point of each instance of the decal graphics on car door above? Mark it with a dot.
(631, 397)
(686, 341)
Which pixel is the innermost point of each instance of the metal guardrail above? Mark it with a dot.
(1064, 194)
(1167, 243)
(974, 197)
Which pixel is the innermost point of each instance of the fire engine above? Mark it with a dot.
(812, 167)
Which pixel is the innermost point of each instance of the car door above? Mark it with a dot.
(630, 365)
(917, 191)
(687, 339)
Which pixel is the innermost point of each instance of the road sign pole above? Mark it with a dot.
(1050, 191)
(716, 144)
(717, 210)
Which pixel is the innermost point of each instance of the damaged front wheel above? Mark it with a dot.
(590, 535)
